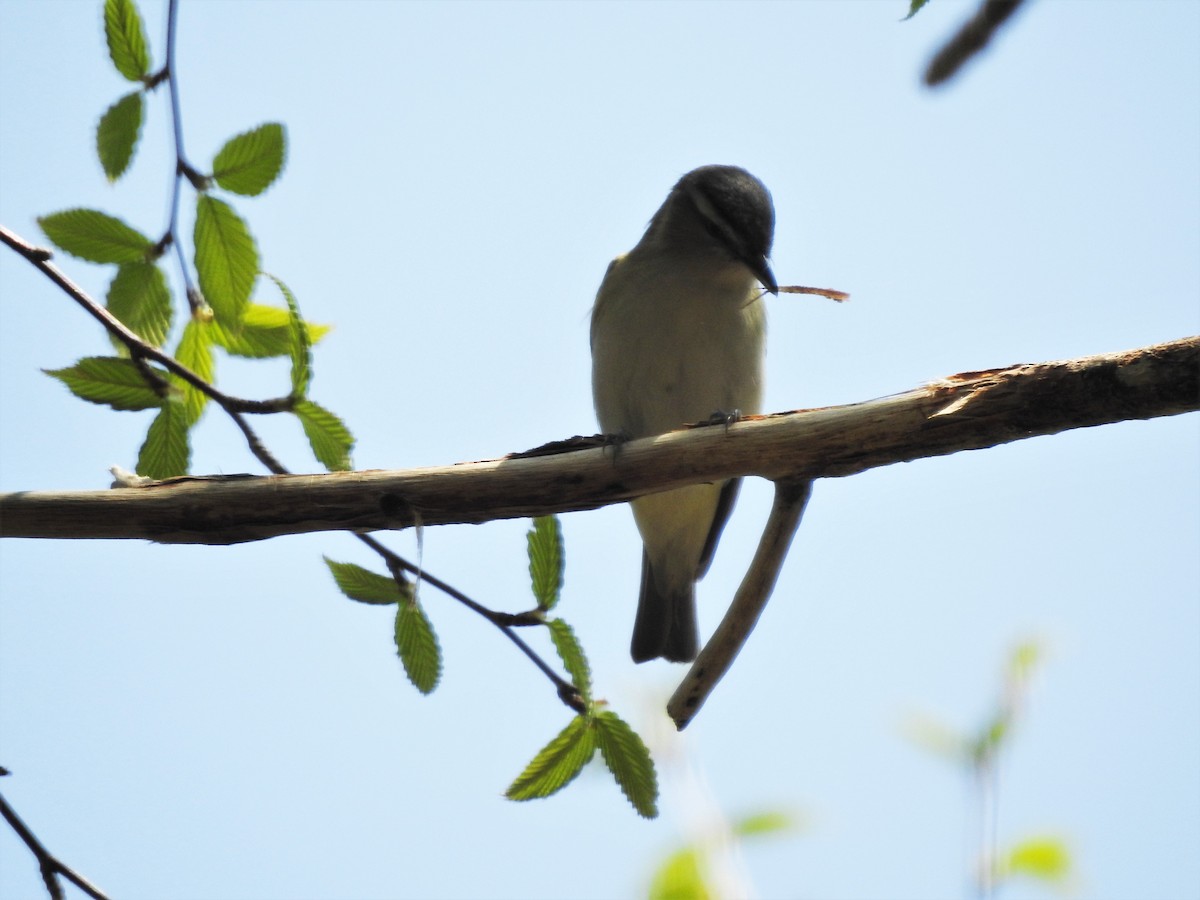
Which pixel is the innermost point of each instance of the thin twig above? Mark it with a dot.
(255, 444)
(40, 258)
(566, 690)
(828, 293)
(182, 166)
(51, 867)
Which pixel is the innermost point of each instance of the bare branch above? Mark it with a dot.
(51, 867)
(968, 411)
(748, 603)
(969, 40)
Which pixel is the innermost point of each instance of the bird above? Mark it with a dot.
(678, 334)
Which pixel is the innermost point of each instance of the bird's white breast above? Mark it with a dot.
(672, 344)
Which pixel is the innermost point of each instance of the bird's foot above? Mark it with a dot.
(720, 417)
(614, 442)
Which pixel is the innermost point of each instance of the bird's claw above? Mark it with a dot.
(720, 417)
(615, 441)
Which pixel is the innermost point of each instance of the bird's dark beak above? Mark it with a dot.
(763, 273)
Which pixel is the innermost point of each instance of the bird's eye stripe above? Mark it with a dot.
(706, 209)
(714, 223)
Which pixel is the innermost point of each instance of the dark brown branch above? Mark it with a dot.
(51, 867)
(969, 411)
(969, 40)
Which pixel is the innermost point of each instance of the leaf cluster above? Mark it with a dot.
(222, 316)
(594, 729)
(1042, 858)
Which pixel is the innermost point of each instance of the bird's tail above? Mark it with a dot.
(666, 622)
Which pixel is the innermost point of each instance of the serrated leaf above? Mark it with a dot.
(126, 39)
(364, 585)
(111, 381)
(266, 332)
(330, 440)
(557, 764)
(570, 651)
(299, 347)
(195, 352)
(226, 260)
(1043, 858)
(165, 453)
(250, 162)
(95, 236)
(545, 549)
(418, 647)
(680, 877)
(117, 134)
(629, 761)
(301, 351)
(139, 297)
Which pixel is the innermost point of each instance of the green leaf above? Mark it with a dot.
(117, 134)
(95, 236)
(126, 39)
(938, 738)
(556, 764)
(680, 877)
(299, 346)
(266, 331)
(768, 822)
(418, 647)
(366, 586)
(111, 381)
(989, 739)
(139, 297)
(571, 653)
(914, 7)
(330, 440)
(195, 352)
(629, 761)
(165, 452)
(1043, 858)
(226, 260)
(545, 549)
(250, 162)
(301, 351)
(1023, 660)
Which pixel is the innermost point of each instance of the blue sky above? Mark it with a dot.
(219, 722)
